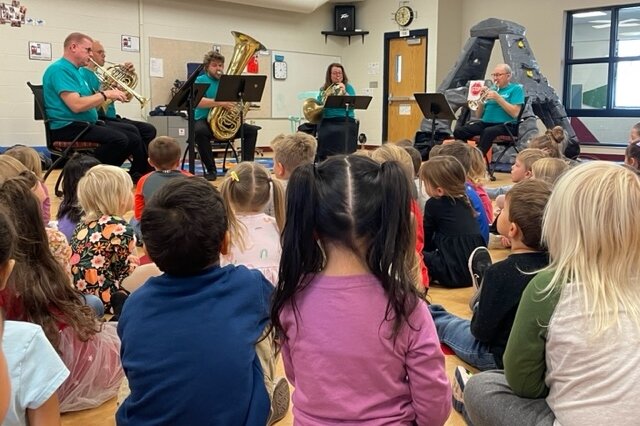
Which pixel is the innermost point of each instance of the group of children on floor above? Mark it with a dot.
(333, 274)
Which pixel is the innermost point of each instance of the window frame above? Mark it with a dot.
(611, 60)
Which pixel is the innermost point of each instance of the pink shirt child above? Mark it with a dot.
(345, 367)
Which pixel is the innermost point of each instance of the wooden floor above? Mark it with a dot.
(455, 300)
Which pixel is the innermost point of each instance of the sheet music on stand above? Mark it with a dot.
(186, 99)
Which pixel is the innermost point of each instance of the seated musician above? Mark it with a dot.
(140, 130)
(68, 98)
(213, 69)
(331, 137)
(501, 107)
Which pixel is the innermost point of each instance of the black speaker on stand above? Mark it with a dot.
(345, 18)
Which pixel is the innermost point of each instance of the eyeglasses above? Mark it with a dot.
(500, 74)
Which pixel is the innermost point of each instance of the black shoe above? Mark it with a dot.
(479, 262)
(210, 176)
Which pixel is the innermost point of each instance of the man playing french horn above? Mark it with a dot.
(501, 106)
(69, 100)
(140, 131)
(213, 70)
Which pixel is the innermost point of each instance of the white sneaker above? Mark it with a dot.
(279, 401)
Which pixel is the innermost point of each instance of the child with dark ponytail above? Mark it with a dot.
(346, 306)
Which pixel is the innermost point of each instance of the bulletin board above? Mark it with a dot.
(305, 75)
(175, 54)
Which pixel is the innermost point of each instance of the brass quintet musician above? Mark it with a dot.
(500, 107)
(139, 130)
(213, 70)
(70, 101)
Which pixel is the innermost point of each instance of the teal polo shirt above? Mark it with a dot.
(94, 83)
(63, 76)
(338, 112)
(493, 112)
(212, 91)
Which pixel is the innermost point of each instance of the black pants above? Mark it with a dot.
(147, 131)
(137, 148)
(487, 131)
(114, 145)
(331, 137)
(203, 136)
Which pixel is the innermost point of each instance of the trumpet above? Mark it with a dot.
(475, 103)
(118, 77)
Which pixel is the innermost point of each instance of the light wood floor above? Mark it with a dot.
(455, 300)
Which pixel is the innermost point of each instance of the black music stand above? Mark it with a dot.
(347, 102)
(187, 98)
(241, 88)
(434, 106)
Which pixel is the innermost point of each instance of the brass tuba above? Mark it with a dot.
(312, 108)
(118, 77)
(225, 123)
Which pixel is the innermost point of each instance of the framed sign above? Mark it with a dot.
(39, 51)
(129, 43)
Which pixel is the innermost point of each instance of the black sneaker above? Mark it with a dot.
(479, 261)
(211, 176)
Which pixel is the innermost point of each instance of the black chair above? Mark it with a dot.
(215, 145)
(63, 149)
(508, 141)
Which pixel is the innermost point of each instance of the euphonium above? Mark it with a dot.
(225, 123)
(118, 77)
(312, 108)
(475, 104)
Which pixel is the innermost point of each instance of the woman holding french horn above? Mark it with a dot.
(331, 139)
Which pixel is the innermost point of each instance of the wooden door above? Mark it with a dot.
(405, 75)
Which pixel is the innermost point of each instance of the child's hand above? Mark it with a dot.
(506, 243)
(500, 201)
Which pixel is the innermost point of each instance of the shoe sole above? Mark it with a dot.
(474, 277)
(457, 388)
(279, 402)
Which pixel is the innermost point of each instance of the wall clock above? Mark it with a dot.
(404, 16)
(279, 70)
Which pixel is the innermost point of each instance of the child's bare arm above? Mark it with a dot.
(48, 414)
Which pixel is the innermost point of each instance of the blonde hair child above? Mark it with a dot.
(291, 151)
(255, 236)
(549, 169)
(30, 158)
(577, 327)
(103, 243)
(450, 228)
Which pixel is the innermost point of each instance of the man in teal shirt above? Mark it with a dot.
(500, 109)
(143, 132)
(213, 70)
(70, 103)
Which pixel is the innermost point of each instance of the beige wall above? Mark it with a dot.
(448, 23)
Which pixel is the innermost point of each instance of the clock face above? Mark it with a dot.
(280, 70)
(404, 16)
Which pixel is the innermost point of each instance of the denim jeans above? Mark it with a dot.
(455, 332)
(94, 303)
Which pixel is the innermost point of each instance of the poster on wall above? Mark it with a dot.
(130, 43)
(12, 13)
(39, 51)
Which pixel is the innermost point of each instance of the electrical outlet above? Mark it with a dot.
(181, 131)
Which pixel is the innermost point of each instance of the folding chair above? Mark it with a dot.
(215, 144)
(63, 149)
(508, 141)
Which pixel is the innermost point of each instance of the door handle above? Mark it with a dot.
(400, 98)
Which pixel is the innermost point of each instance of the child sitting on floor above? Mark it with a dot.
(255, 236)
(164, 157)
(346, 305)
(32, 161)
(549, 169)
(103, 243)
(450, 229)
(572, 356)
(215, 314)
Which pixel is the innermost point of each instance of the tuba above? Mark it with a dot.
(225, 123)
(118, 77)
(312, 108)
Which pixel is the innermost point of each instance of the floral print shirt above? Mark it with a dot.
(103, 255)
(60, 249)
